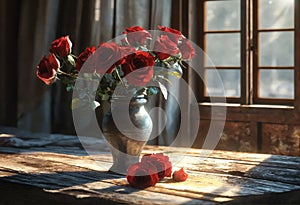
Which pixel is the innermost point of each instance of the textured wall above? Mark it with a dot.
(243, 136)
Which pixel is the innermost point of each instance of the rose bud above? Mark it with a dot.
(180, 175)
(164, 47)
(61, 46)
(47, 68)
(161, 162)
(186, 49)
(142, 175)
(84, 56)
(137, 35)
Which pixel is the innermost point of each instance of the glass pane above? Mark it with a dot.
(276, 49)
(223, 82)
(223, 15)
(276, 83)
(276, 14)
(223, 49)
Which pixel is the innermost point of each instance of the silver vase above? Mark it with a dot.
(126, 127)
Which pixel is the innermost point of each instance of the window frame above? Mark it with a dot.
(249, 67)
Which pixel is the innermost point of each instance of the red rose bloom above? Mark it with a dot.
(186, 49)
(136, 35)
(142, 175)
(107, 56)
(61, 46)
(173, 34)
(139, 68)
(127, 50)
(164, 47)
(47, 68)
(161, 162)
(180, 175)
(84, 56)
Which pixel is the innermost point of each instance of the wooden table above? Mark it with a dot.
(54, 169)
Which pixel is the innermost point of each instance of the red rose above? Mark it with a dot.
(164, 47)
(136, 35)
(186, 49)
(173, 34)
(127, 50)
(161, 162)
(84, 56)
(142, 64)
(180, 175)
(61, 46)
(107, 56)
(142, 175)
(47, 68)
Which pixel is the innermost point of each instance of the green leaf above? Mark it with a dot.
(69, 88)
(75, 103)
(174, 73)
(153, 91)
(71, 60)
(105, 97)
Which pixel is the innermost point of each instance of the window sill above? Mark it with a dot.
(262, 106)
(250, 113)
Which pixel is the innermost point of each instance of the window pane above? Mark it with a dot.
(276, 14)
(223, 15)
(276, 83)
(276, 49)
(223, 49)
(216, 80)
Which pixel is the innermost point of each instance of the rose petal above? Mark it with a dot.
(180, 175)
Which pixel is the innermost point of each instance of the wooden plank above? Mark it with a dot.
(242, 156)
(93, 184)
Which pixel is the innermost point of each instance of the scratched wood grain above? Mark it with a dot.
(214, 177)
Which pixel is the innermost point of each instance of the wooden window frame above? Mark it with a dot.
(249, 57)
(256, 67)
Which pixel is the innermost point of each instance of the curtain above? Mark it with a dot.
(28, 28)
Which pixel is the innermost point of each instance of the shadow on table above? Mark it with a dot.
(17, 194)
(61, 180)
(30, 188)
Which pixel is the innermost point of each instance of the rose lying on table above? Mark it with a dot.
(151, 169)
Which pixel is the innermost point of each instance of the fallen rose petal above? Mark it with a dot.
(180, 175)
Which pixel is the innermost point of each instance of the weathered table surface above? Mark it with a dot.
(54, 169)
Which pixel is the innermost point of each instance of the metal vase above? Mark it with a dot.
(126, 127)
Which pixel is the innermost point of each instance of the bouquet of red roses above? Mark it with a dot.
(134, 62)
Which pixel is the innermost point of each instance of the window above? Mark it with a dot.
(253, 46)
